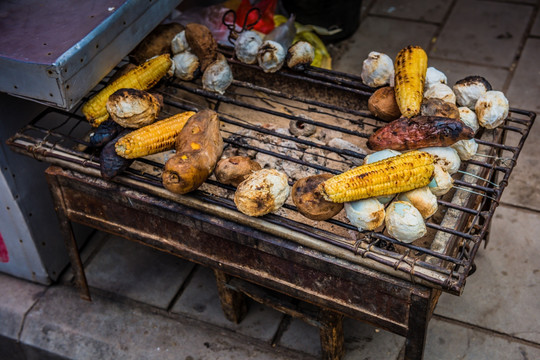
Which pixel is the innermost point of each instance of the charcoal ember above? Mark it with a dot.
(310, 139)
(298, 172)
(314, 155)
(229, 151)
(268, 161)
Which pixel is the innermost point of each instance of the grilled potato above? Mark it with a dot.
(198, 149)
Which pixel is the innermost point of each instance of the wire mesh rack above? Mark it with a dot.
(257, 112)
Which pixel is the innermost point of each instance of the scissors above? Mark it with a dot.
(233, 33)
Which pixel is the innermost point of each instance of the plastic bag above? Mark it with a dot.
(266, 22)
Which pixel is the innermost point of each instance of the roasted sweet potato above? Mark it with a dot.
(419, 132)
(156, 43)
(234, 170)
(202, 44)
(198, 149)
(309, 200)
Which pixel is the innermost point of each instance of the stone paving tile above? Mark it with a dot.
(383, 35)
(524, 90)
(11, 349)
(425, 10)
(524, 93)
(523, 188)
(503, 293)
(535, 31)
(455, 70)
(138, 272)
(483, 32)
(19, 297)
(200, 300)
(362, 341)
(63, 324)
(94, 243)
(302, 337)
(447, 341)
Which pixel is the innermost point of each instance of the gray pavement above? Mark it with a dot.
(150, 305)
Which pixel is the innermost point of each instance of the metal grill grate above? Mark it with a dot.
(254, 112)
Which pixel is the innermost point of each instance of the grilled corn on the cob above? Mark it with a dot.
(390, 176)
(143, 77)
(151, 139)
(410, 67)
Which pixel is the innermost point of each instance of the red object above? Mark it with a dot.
(266, 22)
(4, 257)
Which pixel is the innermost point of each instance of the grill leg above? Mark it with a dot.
(233, 303)
(418, 322)
(67, 232)
(331, 333)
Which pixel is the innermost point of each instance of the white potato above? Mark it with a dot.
(377, 70)
(366, 214)
(466, 149)
(404, 222)
(491, 109)
(434, 76)
(446, 157)
(469, 118)
(422, 199)
(442, 181)
(440, 91)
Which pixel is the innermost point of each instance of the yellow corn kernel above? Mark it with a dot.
(151, 139)
(386, 177)
(143, 77)
(410, 68)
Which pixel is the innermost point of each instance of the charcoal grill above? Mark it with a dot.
(365, 275)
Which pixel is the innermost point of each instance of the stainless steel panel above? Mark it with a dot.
(57, 51)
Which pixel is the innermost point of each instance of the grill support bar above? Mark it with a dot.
(337, 288)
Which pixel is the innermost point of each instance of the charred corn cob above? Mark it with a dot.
(389, 176)
(151, 139)
(410, 67)
(143, 77)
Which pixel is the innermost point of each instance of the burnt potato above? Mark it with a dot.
(263, 192)
(132, 108)
(439, 107)
(310, 202)
(234, 170)
(469, 89)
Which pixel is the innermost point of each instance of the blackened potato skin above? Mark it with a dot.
(419, 132)
(110, 163)
(104, 133)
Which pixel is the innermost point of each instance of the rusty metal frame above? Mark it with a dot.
(360, 279)
(331, 283)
